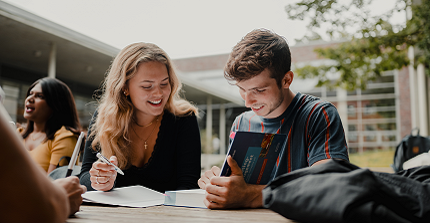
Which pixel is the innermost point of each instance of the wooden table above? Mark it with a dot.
(105, 214)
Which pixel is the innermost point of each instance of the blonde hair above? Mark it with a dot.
(111, 128)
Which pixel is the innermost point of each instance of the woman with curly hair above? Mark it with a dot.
(143, 126)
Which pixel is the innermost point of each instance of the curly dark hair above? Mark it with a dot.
(258, 50)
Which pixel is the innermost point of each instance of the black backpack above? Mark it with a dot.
(410, 146)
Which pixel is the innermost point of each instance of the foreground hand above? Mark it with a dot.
(205, 179)
(74, 191)
(232, 191)
(103, 175)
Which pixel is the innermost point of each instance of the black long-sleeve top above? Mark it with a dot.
(175, 162)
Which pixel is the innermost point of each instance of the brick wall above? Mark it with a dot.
(212, 62)
(306, 53)
(405, 103)
(301, 53)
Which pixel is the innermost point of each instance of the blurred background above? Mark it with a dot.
(368, 58)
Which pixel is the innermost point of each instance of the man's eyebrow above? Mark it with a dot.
(254, 88)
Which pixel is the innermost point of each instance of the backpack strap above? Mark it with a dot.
(67, 158)
(418, 131)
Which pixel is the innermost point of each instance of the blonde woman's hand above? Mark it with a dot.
(103, 175)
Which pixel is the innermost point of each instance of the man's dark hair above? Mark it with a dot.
(258, 50)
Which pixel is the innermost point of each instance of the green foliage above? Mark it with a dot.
(370, 46)
(422, 13)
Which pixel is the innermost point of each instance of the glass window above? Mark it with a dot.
(352, 136)
(331, 93)
(386, 126)
(370, 127)
(351, 93)
(353, 149)
(370, 138)
(316, 94)
(382, 90)
(351, 111)
(352, 127)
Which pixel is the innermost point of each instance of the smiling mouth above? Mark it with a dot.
(155, 102)
(257, 107)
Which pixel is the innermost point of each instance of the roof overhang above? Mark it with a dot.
(25, 43)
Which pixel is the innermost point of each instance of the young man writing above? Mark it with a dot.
(260, 66)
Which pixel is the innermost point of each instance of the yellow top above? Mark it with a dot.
(50, 151)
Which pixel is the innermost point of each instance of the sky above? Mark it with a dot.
(183, 28)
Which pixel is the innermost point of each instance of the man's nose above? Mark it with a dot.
(249, 99)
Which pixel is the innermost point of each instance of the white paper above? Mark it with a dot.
(186, 198)
(420, 160)
(134, 196)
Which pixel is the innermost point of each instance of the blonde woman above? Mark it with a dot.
(143, 126)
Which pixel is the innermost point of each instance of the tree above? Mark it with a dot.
(372, 44)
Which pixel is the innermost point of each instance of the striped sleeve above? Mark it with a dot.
(325, 135)
(234, 128)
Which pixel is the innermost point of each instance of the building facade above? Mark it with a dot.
(32, 47)
(374, 118)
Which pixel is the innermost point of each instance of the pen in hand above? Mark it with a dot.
(105, 160)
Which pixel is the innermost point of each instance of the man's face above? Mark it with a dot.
(262, 95)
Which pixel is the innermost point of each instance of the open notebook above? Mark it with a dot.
(139, 197)
(133, 196)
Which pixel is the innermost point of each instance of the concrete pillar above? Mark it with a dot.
(413, 88)
(324, 93)
(360, 128)
(428, 102)
(52, 60)
(342, 108)
(397, 96)
(208, 123)
(222, 143)
(422, 100)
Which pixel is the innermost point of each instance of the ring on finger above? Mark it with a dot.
(98, 173)
(97, 180)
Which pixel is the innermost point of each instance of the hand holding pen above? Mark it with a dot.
(103, 174)
(105, 160)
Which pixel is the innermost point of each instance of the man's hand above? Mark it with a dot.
(231, 192)
(74, 191)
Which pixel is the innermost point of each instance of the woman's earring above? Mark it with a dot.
(125, 93)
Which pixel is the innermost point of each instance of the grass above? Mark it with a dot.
(378, 158)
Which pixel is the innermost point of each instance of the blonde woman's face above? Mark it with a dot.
(150, 88)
